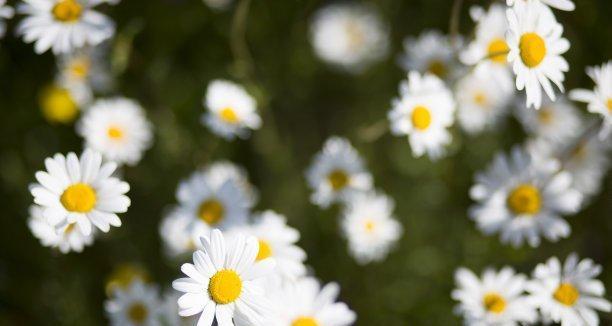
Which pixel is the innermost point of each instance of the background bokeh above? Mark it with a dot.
(173, 49)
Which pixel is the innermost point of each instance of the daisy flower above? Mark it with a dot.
(566, 5)
(423, 112)
(62, 101)
(138, 304)
(557, 121)
(80, 191)
(67, 240)
(231, 110)
(524, 199)
(117, 128)
(569, 294)
(495, 299)
(600, 98)
(88, 65)
(370, 228)
(123, 276)
(536, 46)
(222, 283)
(177, 233)
(6, 12)
(336, 173)
(221, 171)
(350, 36)
(63, 25)
(430, 52)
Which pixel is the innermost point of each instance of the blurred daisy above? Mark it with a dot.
(600, 98)
(61, 102)
(221, 171)
(63, 25)
(231, 110)
(495, 299)
(424, 111)
(430, 52)
(351, 36)
(370, 228)
(536, 46)
(138, 304)
(557, 121)
(523, 199)
(222, 282)
(88, 65)
(6, 12)
(569, 295)
(176, 231)
(566, 5)
(117, 128)
(67, 240)
(123, 275)
(336, 173)
(80, 191)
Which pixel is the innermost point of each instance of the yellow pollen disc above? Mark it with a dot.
(137, 313)
(225, 286)
(609, 105)
(304, 321)
(480, 98)
(79, 197)
(545, 115)
(115, 133)
(265, 250)
(228, 115)
(123, 276)
(525, 199)
(437, 68)
(79, 68)
(493, 302)
(211, 211)
(338, 179)
(498, 50)
(421, 117)
(369, 226)
(57, 105)
(67, 11)
(567, 294)
(533, 49)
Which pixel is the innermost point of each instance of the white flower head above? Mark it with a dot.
(89, 65)
(67, 240)
(599, 100)
(138, 304)
(431, 53)
(221, 171)
(566, 5)
(557, 121)
(6, 12)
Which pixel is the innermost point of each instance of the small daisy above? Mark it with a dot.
(523, 199)
(117, 128)
(139, 304)
(68, 239)
(63, 25)
(536, 46)
(6, 12)
(336, 173)
(569, 295)
(305, 303)
(350, 36)
(221, 171)
(566, 5)
(557, 121)
(370, 228)
(123, 276)
(600, 98)
(88, 65)
(430, 52)
(61, 102)
(495, 299)
(80, 191)
(231, 110)
(222, 283)
(424, 111)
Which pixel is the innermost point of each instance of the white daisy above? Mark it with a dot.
(600, 98)
(566, 5)
(495, 299)
(68, 239)
(231, 110)
(80, 191)
(117, 128)
(222, 283)
(430, 52)
(138, 304)
(350, 36)
(523, 199)
(88, 65)
(221, 171)
(63, 25)
(536, 46)
(179, 234)
(424, 111)
(569, 295)
(61, 102)
(336, 173)
(370, 227)
(6, 12)
(557, 121)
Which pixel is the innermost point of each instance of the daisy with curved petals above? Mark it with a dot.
(336, 173)
(63, 25)
(222, 283)
(497, 298)
(536, 45)
(599, 100)
(68, 239)
(566, 5)
(138, 304)
(423, 112)
(569, 294)
(80, 191)
(431, 53)
(557, 121)
(6, 12)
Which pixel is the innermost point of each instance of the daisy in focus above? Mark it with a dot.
(80, 191)
(6, 12)
(497, 298)
(557, 121)
(431, 52)
(599, 100)
(349, 36)
(569, 294)
(66, 240)
(566, 5)
(222, 284)
(63, 25)
(536, 45)
(61, 102)
(232, 112)
(370, 227)
(138, 304)
(423, 112)
(336, 173)
(118, 129)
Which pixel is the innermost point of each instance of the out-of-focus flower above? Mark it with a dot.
(123, 275)
(170, 309)
(138, 304)
(89, 65)
(66, 240)
(221, 171)
(566, 5)
(599, 100)
(218, 4)
(6, 12)
(556, 121)
(430, 52)
(178, 233)
(61, 102)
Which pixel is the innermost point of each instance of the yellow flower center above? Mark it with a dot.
(304, 321)
(545, 115)
(494, 302)
(225, 286)
(137, 313)
(67, 11)
(114, 133)
(525, 199)
(79, 68)
(437, 68)
(498, 50)
(421, 117)
(58, 105)
(265, 250)
(79, 197)
(338, 179)
(609, 105)
(369, 226)
(211, 211)
(480, 98)
(228, 115)
(533, 49)
(567, 294)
